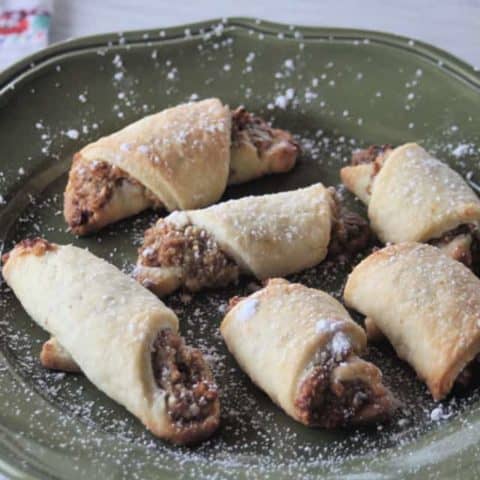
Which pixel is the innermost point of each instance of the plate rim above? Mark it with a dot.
(450, 62)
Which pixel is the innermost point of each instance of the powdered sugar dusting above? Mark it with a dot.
(256, 439)
(326, 325)
(340, 345)
(247, 309)
(250, 422)
(438, 414)
(72, 133)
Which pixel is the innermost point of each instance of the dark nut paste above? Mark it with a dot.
(93, 185)
(193, 249)
(181, 371)
(249, 128)
(350, 232)
(376, 154)
(322, 401)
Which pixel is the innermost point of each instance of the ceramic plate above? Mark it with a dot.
(337, 90)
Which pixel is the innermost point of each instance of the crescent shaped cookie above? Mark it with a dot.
(179, 158)
(264, 236)
(414, 197)
(428, 307)
(124, 339)
(301, 347)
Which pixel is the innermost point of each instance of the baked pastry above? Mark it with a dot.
(413, 197)
(55, 357)
(177, 159)
(265, 236)
(123, 337)
(428, 307)
(302, 348)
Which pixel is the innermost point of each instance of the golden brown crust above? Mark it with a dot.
(195, 434)
(427, 306)
(38, 246)
(54, 357)
(233, 302)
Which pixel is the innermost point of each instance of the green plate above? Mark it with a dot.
(336, 90)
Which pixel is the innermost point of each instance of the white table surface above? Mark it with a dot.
(453, 25)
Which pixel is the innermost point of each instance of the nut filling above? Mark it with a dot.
(350, 232)
(182, 373)
(322, 402)
(38, 246)
(373, 154)
(202, 261)
(469, 377)
(94, 184)
(467, 253)
(249, 128)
